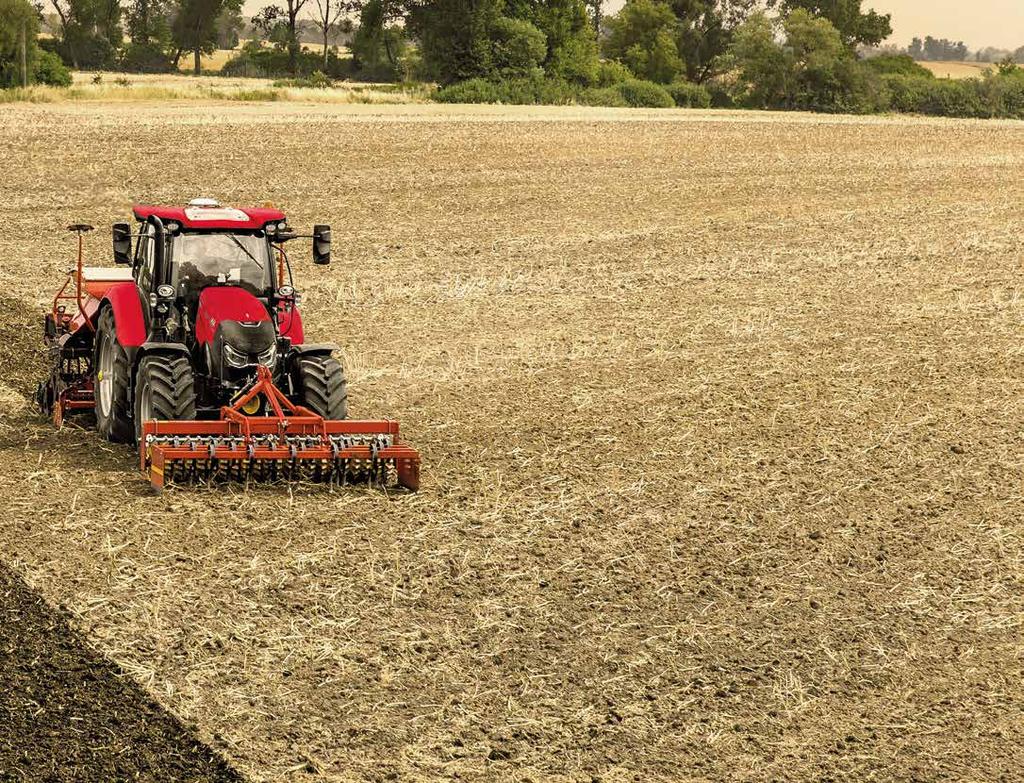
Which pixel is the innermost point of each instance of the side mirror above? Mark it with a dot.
(122, 243)
(321, 244)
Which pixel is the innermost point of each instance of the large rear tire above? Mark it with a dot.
(164, 390)
(111, 376)
(320, 385)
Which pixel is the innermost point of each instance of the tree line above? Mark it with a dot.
(931, 49)
(764, 54)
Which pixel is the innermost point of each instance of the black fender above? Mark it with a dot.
(312, 349)
(169, 349)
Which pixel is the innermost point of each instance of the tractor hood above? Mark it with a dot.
(220, 304)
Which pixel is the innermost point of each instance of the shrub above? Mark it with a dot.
(723, 92)
(146, 58)
(50, 69)
(902, 64)
(937, 97)
(255, 60)
(601, 96)
(690, 95)
(954, 98)
(643, 94)
(469, 91)
(612, 72)
(1003, 95)
(317, 80)
(536, 89)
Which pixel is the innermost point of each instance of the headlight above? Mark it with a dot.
(269, 356)
(235, 358)
(165, 291)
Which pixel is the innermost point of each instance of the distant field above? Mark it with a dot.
(210, 62)
(951, 70)
(220, 57)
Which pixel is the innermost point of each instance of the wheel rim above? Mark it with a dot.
(106, 375)
(145, 405)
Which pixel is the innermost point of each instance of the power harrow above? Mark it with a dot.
(193, 348)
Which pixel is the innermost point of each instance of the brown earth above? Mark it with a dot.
(721, 417)
(68, 714)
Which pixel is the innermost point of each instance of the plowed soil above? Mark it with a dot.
(68, 714)
(721, 417)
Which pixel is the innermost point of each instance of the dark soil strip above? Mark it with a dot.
(67, 713)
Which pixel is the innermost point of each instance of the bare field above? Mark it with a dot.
(958, 70)
(721, 417)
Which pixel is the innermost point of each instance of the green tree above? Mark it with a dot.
(19, 26)
(292, 8)
(812, 68)
(149, 29)
(90, 31)
(519, 47)
(571, 41)
(329, 20)
(195, 28)
(377, 46)
(705, 32)
(764, 65)
(454, 37)
(643, 36)
(855, 26)
(269, 25)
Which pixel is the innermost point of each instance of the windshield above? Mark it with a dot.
(200, 259)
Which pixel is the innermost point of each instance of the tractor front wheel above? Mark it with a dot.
(320, 386)
(164, 391)
(110, 382)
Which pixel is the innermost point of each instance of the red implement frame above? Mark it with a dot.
(247, 436)
(62, 320)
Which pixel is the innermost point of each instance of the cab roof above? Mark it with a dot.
(207, 214)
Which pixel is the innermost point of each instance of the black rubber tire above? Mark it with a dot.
(166, 386)
(116, 423)
(320, 385)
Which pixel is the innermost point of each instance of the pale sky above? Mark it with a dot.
(978, 24)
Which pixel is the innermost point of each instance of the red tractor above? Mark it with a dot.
(194, 349)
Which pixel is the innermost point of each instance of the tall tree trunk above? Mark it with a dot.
(197, 63)
(325, 48)
(24, 54)
(293, 44)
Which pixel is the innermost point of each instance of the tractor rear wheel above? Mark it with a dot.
(111, 375)
(164, 390)
(320, 385)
